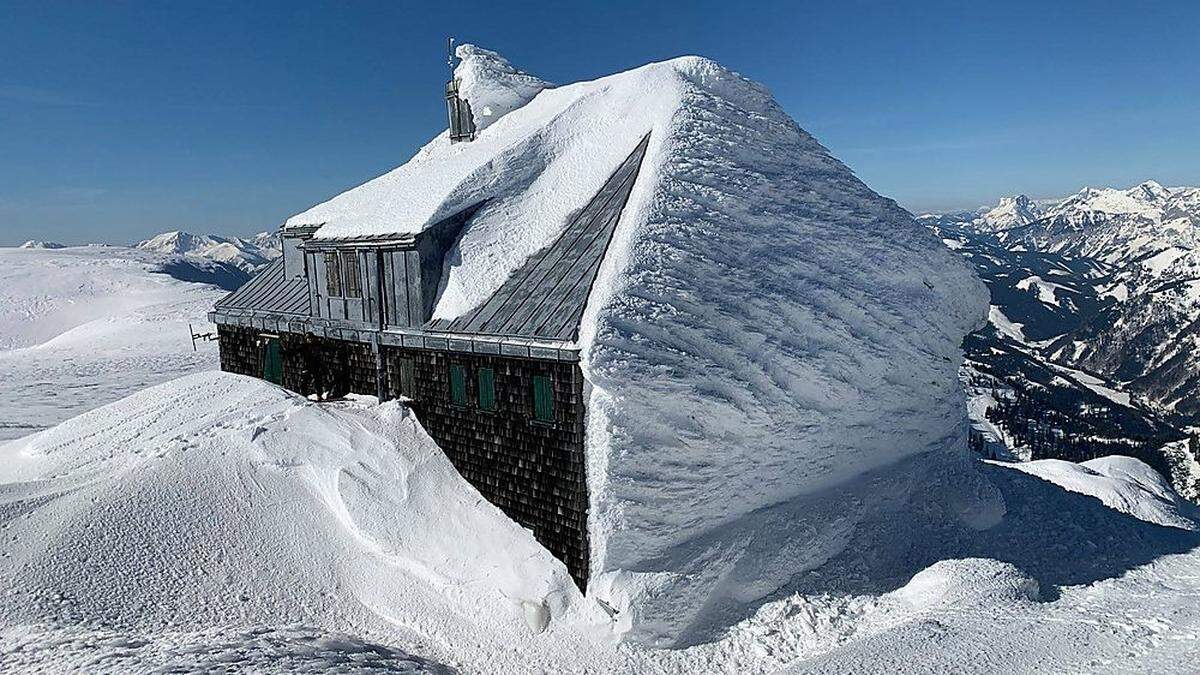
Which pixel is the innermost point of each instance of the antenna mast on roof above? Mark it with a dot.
(450, 54)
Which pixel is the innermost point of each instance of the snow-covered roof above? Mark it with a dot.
(270, 291)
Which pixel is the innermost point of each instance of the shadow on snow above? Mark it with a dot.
(872, 536)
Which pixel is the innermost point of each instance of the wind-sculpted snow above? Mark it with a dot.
(769, 327)
(764, 324)
(220, 501)
(492, 85)
(220, 520)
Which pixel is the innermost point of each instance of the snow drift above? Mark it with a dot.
(1123, 484)
(764, 325)
(218, 518)
(223, 501)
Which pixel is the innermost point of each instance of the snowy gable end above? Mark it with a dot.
(770, 328)
(640, 314)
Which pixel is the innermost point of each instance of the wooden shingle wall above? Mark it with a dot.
(241, 352)
(534, 471)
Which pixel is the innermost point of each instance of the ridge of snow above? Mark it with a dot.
(222, 500)
(1141, 200)
(492, 85)
(1121, 483)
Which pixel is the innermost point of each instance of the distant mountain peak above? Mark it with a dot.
(1150, 191)
(248, 254)
(1012, 211)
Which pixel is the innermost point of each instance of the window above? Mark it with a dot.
(487, 389)
(350, 267)
(543, 398)
(458, 384)
(333, 275)
(408, 381)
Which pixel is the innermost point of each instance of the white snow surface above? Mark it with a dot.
(1121, 483)
(221, 501)
(1045, 289)
(1007, 326)
(764, 325)
(492, 85)
(85, 326)
(218, 520)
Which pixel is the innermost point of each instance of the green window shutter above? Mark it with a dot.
(272, 361)
(487, 389)
(408, 381)
(543, 398)
(458, 384)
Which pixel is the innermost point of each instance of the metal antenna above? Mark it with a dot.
(450, 54)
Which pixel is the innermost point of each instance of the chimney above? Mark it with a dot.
(462, 125)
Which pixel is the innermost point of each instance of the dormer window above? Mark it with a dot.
(342, 278)
(353, 285)
(333, 274)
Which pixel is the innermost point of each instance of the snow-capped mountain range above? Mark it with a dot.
(247, 254)
(1106, 281)
(226, 262)
(1114, 226)
(34, 243)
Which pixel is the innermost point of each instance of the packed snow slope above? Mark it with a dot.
(219, 519)
(85, 326)
(764, 325)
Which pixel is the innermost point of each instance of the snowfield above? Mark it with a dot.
(218, 501)
(81, 327)
(219, 519)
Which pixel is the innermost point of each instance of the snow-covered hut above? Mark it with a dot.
(637, 313)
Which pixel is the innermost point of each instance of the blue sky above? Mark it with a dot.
(119, 120)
